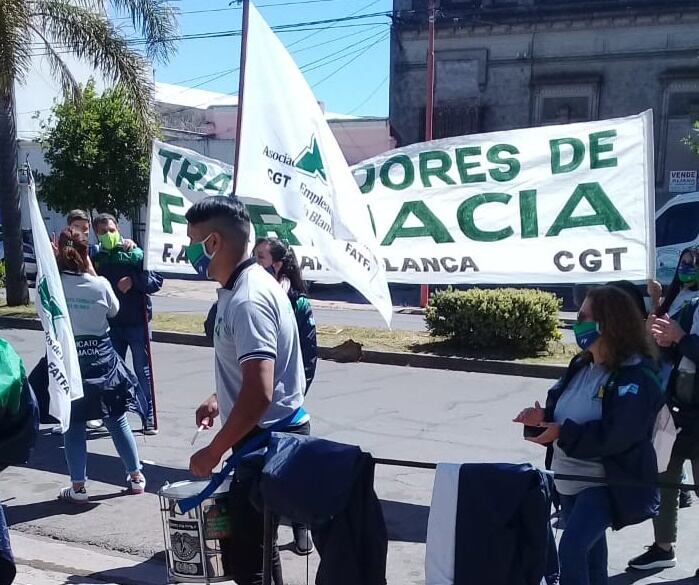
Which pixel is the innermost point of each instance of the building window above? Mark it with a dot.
(680, 109)
(452, 120)
(565, 103)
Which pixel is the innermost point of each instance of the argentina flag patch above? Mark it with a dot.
(628, 389)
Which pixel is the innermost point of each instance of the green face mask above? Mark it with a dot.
(110, 240)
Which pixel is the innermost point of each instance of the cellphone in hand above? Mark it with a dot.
(531, 432)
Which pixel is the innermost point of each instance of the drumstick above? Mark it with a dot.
(196, 433)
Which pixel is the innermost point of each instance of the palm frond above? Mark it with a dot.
(156, 21)
(15, 44)
(91, 37)
(59, 68)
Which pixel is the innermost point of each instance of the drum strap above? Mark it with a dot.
(252, 444)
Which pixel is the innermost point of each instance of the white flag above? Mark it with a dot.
(65, 382)
(289, 157)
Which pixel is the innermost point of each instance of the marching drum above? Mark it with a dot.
(193, 541)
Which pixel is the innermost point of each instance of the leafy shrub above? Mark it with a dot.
(521, 320)
(2, 274)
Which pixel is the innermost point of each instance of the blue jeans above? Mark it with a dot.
(133, 337)
(75, 443)
(582, 551)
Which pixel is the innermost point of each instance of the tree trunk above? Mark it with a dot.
(10, 210)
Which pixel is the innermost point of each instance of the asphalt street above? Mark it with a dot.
(392, 412)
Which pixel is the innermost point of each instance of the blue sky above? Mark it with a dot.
(347, 66)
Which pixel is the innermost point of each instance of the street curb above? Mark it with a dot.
(413, 360)
(74, 559)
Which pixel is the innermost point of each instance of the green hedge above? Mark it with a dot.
(522, 320)
(2, 274)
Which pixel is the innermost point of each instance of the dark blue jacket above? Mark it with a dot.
(19, 428)
(135, 305)
(622, 438)
(331, 487)
(503, 527)
(685, 414)
(18, 432)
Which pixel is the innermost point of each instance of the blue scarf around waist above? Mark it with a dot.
(252, 444)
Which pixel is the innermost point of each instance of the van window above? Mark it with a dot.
(678, 225)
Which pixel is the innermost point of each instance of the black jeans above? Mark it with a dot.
(244, 549)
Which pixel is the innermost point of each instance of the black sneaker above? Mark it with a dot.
(685, 499)
(654, 558)
(303, 543)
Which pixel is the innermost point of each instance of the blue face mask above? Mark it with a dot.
(199, 258)
(586, 333)
(271, 270)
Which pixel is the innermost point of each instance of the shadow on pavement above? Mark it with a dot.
(149, 572)
(631, 577)
(48, 456)
(405, 522)
(25, 513)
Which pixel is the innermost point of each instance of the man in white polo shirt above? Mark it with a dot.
(259, 369)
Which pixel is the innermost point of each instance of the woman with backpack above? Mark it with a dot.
(674, 325)
(598, 423)
(279, 260)
(108, 384)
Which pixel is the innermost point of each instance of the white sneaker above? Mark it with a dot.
(136, 487)
(56, 430)
(68, 494)
(93, 425)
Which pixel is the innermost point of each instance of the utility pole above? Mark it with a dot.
(429, 108)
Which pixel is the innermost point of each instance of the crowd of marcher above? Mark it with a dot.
(597, 424)
(600, 419)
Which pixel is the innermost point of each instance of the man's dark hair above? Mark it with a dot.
(103, 218)
(77, 215)
(226, 215)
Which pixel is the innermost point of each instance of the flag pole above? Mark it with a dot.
(241, 87)
(429, 109)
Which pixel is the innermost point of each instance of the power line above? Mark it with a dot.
(293, 27)
(322, 62)
(307, 67)
(230, 8)
(372, 3)
(383, 38)
(214, 76)
(371, 95)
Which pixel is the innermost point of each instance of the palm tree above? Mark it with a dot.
(51, 29)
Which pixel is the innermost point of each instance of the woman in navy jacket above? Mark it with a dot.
(598, 422)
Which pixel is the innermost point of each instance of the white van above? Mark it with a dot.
(676, 228)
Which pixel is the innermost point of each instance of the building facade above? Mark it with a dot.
(203, 121)
(504, 64)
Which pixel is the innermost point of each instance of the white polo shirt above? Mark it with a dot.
(255, 320)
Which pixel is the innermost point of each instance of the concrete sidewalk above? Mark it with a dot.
(42, 561)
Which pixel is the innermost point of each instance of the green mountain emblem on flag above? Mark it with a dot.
(48, 302)
(311, 162)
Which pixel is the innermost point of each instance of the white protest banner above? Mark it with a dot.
(556, 204)
(178, 179)
(289, 157)
(65, 381)
(559, 204)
